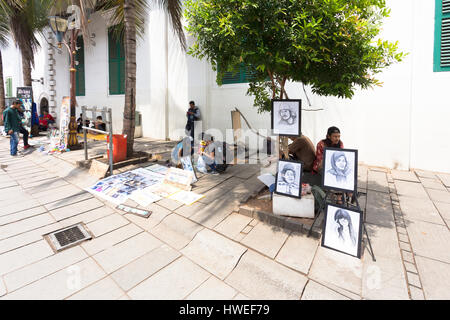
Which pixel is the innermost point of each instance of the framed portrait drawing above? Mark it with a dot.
(342, 229)
(288, 181)
(286, 117)
(340, 169)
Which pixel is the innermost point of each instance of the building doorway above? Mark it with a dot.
(43, 106)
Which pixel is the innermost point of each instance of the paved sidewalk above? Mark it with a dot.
(208, 250)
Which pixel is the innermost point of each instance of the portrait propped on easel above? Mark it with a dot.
(340, 169)
(342, 229)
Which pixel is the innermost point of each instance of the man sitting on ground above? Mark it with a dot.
(209, 153)
(45, 120)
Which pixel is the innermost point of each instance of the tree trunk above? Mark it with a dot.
(2, 91)
(26, 53)
(130, 74)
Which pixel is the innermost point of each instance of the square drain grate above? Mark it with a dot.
(68, 237)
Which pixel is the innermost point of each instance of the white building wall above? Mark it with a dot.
(403, 124)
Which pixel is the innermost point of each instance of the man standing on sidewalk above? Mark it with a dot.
(13, 123)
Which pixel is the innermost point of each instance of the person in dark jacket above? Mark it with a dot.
(13, 123)
(193, 114)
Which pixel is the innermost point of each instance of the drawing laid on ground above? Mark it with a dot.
(342, 230)
(288, 180)
(340, 169)
(286, 117)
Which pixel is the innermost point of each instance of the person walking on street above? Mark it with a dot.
(12, 124)
(193, 114)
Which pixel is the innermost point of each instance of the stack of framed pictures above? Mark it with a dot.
(343, 223)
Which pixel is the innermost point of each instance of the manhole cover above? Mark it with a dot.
(68, 237)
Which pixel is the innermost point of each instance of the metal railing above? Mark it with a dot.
(107, 119)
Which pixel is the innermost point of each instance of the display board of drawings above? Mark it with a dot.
(147, 185)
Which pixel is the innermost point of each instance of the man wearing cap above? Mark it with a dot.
(12, 124)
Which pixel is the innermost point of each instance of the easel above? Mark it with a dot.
(349, 205)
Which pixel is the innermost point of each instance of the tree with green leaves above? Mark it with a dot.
(330, 45)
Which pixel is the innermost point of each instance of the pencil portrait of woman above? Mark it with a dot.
(339, 169)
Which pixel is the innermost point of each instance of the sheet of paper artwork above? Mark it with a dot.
(180, 178)
(163, 190)
(118, 188)
(157, 168)
(186, 197)
(187, 165)
(144, 197)
(267, 178)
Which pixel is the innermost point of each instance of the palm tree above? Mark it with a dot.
(4, 31)
(25, 19)
(130, 18)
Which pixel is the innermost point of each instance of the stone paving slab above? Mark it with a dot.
(261, 278)
(266, 239)
(61, 284)
(174, 282)
(26, 238)
(379, 209)
(439, 195)
(215, 212)
(404, 175)
(110, 239)
(445, 178)
(444, 210)
(432, 184)
(21, 215)
(67, 201)
(88, 217)
(383, 279)
(377, 181)
(169, 204)
(298, 252)
(214, 253)
(123, 253)
(187, 211)
(419, 209)
(43, 268)
(384, 242)
(21, 257)
(25, 225)
(46, 185)
(144, 267)
(316, 291)
(17, 207)
(430, 240)
(105, 289)
(410, 189)
(2, 288)
(7, 184)
(158, 214)
(176, 231)
(213, 289)
(233, 225)
(435, 278)
(57, 194)
(346, 272)
(425, 174)
(107, 224)
(76, 208)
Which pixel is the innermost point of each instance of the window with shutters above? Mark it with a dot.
(80, 88)
(442, 36)
(9, 88)
(245, 74)
(116, 58)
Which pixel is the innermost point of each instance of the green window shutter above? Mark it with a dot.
(80, 74)
(442, 36)
(116, 57)
(245, 74)
(9, 87)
